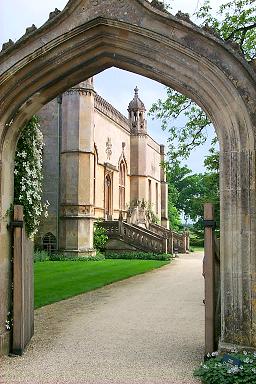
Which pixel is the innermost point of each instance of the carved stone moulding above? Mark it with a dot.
(77, 211)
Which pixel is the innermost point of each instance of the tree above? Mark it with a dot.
(236, 23)
(188, 192)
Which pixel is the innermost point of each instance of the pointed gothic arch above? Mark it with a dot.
(122, 184)
(88, 37)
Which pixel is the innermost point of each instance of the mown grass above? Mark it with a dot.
(59, 280)
(197, 249)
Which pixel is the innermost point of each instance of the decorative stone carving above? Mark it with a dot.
(183, 16)
(109, 148)
(158, 5)
(95, 3)
(210, 30)
(54, 13)
(7, 45)
(233, 44)
(77, 210)
(30, 29)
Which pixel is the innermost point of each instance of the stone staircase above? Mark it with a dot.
(129, 237)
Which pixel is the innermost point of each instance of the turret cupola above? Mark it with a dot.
(137, 111)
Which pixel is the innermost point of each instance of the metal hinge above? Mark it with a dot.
(210, 224)
(15, 224)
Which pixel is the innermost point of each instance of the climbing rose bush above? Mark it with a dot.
(217, 371)
(28, 176)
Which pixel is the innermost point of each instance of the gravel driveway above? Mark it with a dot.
(148, 329)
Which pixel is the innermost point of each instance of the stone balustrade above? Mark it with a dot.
(176, 242)
(136, 236)
(155, 239)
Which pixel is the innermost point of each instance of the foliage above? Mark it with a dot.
(100, 237)
(40, 256)
(150, 215)
(55, 280)
(70, 257)
(138, 256)
(216, 371)
(235, 21)
(173, 214)
(28, 175)
(182, 140)
(188, 192)
(9, 321)
(196, 242)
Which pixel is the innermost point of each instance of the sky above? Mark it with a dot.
(17, 15)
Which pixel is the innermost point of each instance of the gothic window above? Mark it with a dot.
(94, 175)
(122, 173)
(108, 196)
(49, 242)
(149, 192)
(156, 198)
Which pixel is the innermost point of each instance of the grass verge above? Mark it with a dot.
(59, 280)
(197, 249)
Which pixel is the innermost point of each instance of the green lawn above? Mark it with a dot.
(197, 249)
(58, 280)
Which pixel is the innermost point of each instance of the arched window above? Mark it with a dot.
(108, 196)
(122, 174)
(157, 200)
(94, 174)
(49, 242)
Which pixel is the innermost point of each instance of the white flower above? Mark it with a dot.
(233, 370)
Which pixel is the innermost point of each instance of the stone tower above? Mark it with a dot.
(77, 170)
(138, 127)
(137, 110)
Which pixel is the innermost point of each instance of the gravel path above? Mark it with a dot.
(148, 329)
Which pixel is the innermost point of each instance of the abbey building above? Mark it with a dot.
(98, 164)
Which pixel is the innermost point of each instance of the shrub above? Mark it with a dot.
(71, 257)
(138, 256)
(40, 256)
(99, 237)
(196, 242)
(217, 371)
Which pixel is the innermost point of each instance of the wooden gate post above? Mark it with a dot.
(23, 285)
(18, 281)
(209, 275)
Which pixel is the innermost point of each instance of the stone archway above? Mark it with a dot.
(90, 36)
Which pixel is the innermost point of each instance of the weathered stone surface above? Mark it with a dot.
(54, 13)
(90, 36)
(7, 45)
